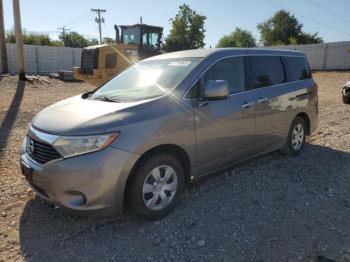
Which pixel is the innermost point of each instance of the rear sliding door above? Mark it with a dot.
(273, 98)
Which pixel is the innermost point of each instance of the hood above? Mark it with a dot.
(78, 116)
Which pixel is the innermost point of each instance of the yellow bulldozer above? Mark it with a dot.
(133, 43)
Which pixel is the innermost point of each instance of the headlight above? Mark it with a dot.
(77, 145)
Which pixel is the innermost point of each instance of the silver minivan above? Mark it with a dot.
(140, 138)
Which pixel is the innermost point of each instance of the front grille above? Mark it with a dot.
(42, 152)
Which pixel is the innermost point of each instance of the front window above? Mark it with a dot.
(146, 80)
(150, 40)
(131, 35)
(230, 69)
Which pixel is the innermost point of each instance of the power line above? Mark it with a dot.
(90, 36)
(77, 19)
(38, 32)
(81, 22)
(307, 18)
(76, 22)
(104, 32)
(88, 28)
(329, 11)
(89, 31)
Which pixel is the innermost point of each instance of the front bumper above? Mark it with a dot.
(92, 183)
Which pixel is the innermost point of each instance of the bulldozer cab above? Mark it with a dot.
(146, 37)
(132, 43)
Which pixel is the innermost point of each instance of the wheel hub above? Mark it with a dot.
(298, 136)
(159, 187)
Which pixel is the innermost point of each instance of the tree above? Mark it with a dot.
(108, 40)
(10, 37)
(187, 30)
(73, 39)
(33, 39)
(93, 41)
(238, 38)
(306, 38)
(284, 29)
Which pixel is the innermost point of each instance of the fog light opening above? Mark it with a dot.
(76, 199)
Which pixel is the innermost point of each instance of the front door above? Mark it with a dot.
(225, 129)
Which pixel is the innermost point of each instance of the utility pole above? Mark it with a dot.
(4, 63)
(99, 20)
(63, 29)
(19, 40)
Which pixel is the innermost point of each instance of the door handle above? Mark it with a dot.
(247, 104)
(202, 103)
(263, 99)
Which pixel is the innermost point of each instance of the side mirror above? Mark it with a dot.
(216, 90)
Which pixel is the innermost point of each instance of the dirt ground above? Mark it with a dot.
(272, 208)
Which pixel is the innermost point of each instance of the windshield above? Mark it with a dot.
(131, 35)
(146, 80)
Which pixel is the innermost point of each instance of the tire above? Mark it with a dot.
(296, 139)
(151, 194)
(346, 100)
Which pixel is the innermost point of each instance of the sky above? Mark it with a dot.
(331, 20)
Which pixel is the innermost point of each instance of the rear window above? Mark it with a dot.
(297, 68)
(266, 71)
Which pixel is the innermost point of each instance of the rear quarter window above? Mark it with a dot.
(297, 68)
(266, 71)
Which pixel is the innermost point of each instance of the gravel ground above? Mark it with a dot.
(271, 208)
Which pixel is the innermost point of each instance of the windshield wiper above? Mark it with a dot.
(108, 99)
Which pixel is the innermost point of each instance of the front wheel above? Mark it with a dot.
(156, 186)
(296, 137)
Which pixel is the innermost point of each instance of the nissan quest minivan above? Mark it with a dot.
(140, 138)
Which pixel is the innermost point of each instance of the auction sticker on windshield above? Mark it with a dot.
(179, 63)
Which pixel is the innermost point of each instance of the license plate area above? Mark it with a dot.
(27, 171)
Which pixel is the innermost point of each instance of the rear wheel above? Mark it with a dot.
(296, 137)
(156, 186)
(346, 100)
